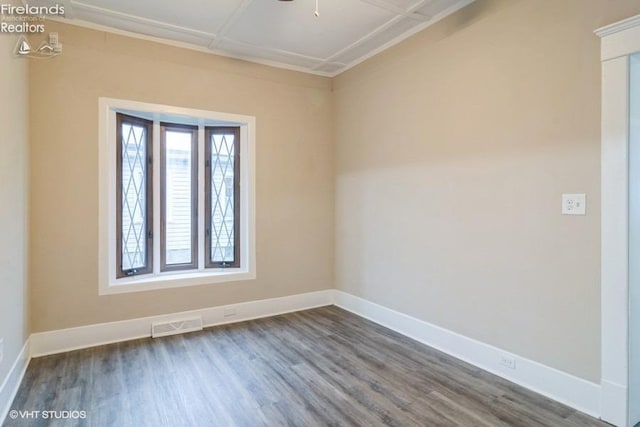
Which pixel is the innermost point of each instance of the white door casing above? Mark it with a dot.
(618, 42)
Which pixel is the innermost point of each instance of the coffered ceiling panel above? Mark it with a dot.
(292, 26)
(281, 33)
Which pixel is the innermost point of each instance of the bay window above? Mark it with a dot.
(176, 197)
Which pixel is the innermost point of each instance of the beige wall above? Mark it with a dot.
(14, 145)
(452, 152)
(294, 171)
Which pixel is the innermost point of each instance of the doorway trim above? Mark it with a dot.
(618, 42)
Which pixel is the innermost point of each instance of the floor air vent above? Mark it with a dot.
(162, 329)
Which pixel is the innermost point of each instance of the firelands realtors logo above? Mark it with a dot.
(26, 19)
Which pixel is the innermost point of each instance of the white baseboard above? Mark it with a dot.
(60, 341)
(572, 391)
(557, 385)
(11, 383)
(614, 403)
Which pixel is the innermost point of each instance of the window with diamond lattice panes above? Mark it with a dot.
(176, 190)
(223, 204)
(134, 196)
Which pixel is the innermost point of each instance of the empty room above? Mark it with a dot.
(320, 212)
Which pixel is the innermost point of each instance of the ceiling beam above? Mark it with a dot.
(231, 20)
(278, 52)
(409, 12)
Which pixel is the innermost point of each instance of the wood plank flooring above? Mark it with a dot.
(311, 368)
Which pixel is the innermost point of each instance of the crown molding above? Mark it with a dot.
(617, 27)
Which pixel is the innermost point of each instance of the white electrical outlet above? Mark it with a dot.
(508, 362)
(574, 204)
(229, 311)
(1, 349)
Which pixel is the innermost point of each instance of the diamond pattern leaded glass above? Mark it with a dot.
(222, 197)
(134, 221)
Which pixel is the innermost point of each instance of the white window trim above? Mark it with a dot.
(108, 284)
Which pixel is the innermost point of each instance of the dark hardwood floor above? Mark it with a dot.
(312, 368)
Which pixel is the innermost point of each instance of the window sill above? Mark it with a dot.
(151, 282)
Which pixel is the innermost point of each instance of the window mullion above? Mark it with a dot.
(201, 198)
(156, 197)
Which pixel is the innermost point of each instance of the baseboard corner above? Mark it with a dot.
(11, 383)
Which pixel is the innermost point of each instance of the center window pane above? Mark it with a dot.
(178, 201)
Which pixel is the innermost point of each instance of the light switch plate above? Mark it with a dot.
(574, 204)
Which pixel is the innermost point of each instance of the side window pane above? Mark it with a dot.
(222, 189)
(133, 196)
(179, 197)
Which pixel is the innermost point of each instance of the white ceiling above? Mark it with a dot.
(281, 33)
